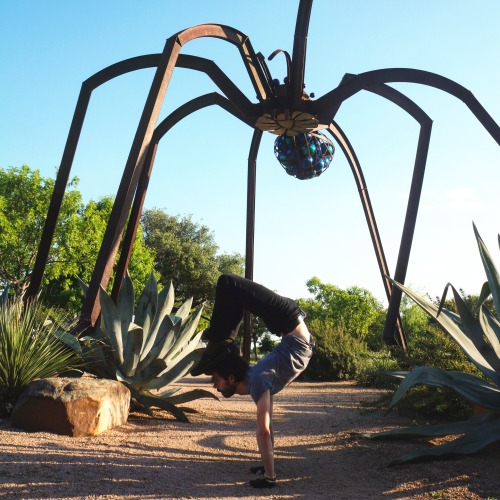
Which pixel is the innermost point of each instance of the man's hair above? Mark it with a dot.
(233, 365)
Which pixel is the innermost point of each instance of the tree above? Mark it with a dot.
(356, 308)
(80, 255)
(24, 201)
(187, 255)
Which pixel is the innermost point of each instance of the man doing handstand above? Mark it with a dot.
(231, 374)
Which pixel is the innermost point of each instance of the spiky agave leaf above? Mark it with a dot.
(148, 373)
(188, 396)
(476, 439)
(149, 401)
(70, 340)
(167, 334)
(491, 328)
(164, 307)
(470, 387)
(112, 323)
(185, 309)
(185, 336)
(490, 269)
(147, 306)
(176, 370)
(474, 347)
(125, 305)
(169, 393)
(132, 351)
(437, 430)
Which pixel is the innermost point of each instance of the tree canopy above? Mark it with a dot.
(176, 248)
(187, 255)
(24, 201)
(355, 308)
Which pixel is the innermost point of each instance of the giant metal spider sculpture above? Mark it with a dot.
(281, 108)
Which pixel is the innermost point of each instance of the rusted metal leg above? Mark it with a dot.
(249, 254)
(408, 231)
(129, 181)
(59, 190)
(88, 86)
(140, 195)
(357, 171)
(425, 123)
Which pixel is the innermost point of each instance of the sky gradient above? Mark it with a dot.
(303, 228)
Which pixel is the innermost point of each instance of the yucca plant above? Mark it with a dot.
(33, 344)
(479, 338)
(148, 350)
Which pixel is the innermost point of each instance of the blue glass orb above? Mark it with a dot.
(304, 156)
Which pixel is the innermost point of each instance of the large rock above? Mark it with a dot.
(72, 406)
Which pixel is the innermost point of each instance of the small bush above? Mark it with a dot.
(30, 348)
(338, 355)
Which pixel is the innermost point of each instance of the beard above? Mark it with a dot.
(229, 391)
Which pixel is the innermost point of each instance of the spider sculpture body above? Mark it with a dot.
(282, 108)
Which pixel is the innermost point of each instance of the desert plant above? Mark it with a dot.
(479, 337)
(149, 350)
(33, 344)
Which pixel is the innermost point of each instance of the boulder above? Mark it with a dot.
(72, 406)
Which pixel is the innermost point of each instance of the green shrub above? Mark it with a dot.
(338, 355)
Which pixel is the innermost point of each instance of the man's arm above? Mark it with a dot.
(264, 433)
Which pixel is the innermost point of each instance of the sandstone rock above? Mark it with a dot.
(72, 406)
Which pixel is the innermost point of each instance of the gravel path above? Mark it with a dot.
(318, 455)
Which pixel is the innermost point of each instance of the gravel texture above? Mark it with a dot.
(319, 454)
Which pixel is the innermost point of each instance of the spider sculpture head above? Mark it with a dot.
(301, 150)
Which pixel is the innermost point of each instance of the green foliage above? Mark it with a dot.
(338, 355)
(431, 345)
(24, 201)
(148, 350)
(479, 338)
(33, 344)
(267, 344)
(356, 308)
(186, 254)
(80, 255)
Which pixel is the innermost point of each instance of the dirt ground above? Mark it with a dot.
(318, 455)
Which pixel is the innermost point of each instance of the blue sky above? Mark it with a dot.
(303, 228)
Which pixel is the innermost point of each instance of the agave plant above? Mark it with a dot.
(33, 344)
(479, 337)
(148, 350)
